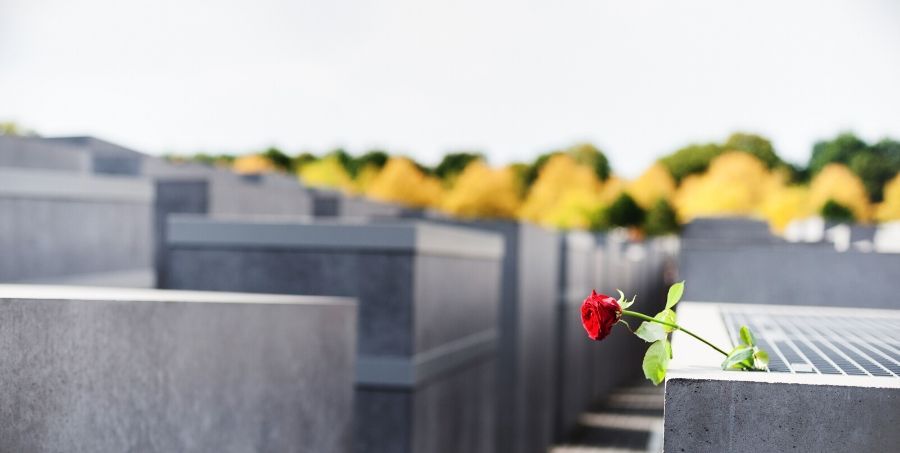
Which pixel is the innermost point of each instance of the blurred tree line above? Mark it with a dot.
(846, 179)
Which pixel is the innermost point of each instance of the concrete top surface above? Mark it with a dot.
(358, 234)
(28, 183)
(695, 360)
(61, 292)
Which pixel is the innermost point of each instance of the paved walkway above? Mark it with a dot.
(630, 421)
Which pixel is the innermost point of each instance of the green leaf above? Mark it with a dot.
(656, 362)
(761, 360)
(747, 336)
(669, 348)
(667, 315)
(736, 356)
(675, 292)
(650, 332)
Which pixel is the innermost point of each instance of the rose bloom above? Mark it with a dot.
(599, 313)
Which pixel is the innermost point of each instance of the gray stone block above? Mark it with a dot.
(789, 274)
(55, 224)
(333, 203)
(106, 157)
(429, 300)
(729, 230)
(575, 353)
(198, 189)
(228, 193)
(100, 370)
(720, 416)
(527, 355)
(710, 410)
(37, 153)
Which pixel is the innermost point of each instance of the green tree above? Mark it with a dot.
(279, 158)
(756, 145)
(874, 164)
(375, 158)
(834, 211)
(874, 172)
(343, 157)
(691, 159)
(590, 155)
(14, 129)
(841, 149)
(207, 159)
(298, 161)
(625, 212)
(531, 172)
(454, 163)
(583, 153)
(10, 128)
(661, 219)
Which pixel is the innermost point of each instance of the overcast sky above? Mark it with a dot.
(511, 78)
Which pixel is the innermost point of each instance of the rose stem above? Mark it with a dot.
(674, 326)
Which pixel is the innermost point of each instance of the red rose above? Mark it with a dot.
(599, 313)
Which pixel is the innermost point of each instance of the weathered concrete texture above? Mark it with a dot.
(163, 373)
(197, 189)
(228, 193)
(57, 224)
(106, 158)
(793, 274)
(720, 416)
(37, 153)
(575, 352)
(331, 203)
(382, 284)
(729, 230)
(527, 356)
(175, 196)
(423, 384)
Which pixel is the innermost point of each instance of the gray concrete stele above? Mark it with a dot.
(106, 370)
(56, 224)
(429, 299)
(833, 384)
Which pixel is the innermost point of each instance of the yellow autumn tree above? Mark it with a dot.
(654, 184)
(326, 172)
(889, 209)
(611, 189)
(836, 182)
(736, 183)
(784, 205)
(364, 178)
(565, 194)
(481, 191)
(252, 163)
(401, 182)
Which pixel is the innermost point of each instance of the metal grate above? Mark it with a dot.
(822, 342)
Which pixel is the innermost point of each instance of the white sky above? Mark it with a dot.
(512, 78)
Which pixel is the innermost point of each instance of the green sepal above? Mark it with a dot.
(650, 332)
(760, 359)
(747, 336)
(623, 302)
(656, 362)
(675, 292)
(736, 357)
